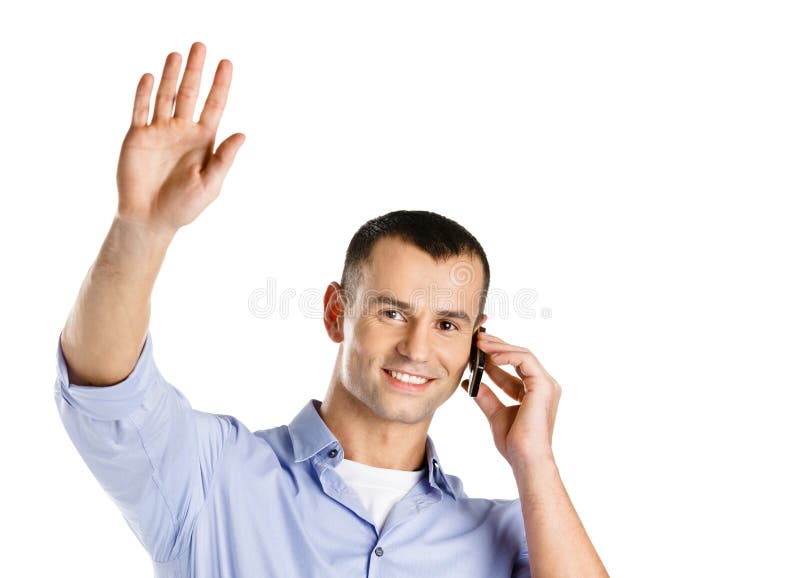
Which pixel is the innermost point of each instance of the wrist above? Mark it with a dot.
(537, 462)
(147, 230)
(134, 248)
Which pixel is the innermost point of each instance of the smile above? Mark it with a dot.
(405, 380)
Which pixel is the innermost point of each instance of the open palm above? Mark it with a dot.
(168, 172)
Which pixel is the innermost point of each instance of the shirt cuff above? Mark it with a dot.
(112, 402)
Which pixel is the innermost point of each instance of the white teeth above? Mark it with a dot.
(408, 378)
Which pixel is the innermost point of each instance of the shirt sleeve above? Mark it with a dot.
(151, 452)
(522, 566)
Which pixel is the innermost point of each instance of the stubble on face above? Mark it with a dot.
(371, 341)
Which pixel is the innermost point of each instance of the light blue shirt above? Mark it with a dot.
(208, 498)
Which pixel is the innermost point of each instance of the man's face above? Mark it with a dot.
(405, 317)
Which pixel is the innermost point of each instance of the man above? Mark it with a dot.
(353, 485)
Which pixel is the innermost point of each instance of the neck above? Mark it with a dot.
(372, 439)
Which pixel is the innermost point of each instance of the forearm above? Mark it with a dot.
(558, 546)
(105, 330)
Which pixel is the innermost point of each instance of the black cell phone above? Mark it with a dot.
(477, 359)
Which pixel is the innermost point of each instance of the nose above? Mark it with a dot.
(414, 345)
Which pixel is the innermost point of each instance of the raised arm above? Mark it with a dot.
(168, 173)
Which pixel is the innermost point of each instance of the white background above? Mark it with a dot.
(633, 163)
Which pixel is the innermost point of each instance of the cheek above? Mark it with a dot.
(372, 336)
(364, 345)
(455, 357)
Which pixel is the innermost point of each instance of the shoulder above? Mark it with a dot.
(502, 518)
(508, 510)
(243, 445)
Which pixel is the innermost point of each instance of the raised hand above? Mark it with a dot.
(168, 172)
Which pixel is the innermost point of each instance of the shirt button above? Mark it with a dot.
(379, 551)
(333, 453)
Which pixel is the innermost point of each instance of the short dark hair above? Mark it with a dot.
(435, 234)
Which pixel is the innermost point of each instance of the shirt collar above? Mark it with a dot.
(310, 436)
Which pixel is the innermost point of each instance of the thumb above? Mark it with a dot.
(222, 160)
(486, 399)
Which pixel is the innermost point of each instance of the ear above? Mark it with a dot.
(334, 312)
(483, 320)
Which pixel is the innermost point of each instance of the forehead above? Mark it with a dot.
(410, 274)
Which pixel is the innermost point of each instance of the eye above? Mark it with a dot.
(388, 313)
(454, 327)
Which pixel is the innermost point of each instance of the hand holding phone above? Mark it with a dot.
(477, 360)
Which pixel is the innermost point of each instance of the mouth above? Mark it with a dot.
(405, 381)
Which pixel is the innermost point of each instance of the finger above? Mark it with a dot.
(522, 361)
(217, 96)
(495, 343)
(491, 344)
(485, 338)
(491, 347)
(486, 399)
(141, 104)
(190, 85)
(165, 97)
(489, 338)
(222, 160)
(512, 386)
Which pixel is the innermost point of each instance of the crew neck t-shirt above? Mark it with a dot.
(379, 489)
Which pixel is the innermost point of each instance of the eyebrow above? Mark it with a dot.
(389, 300)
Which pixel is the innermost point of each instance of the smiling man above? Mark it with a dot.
(405, 322)
(353, 485)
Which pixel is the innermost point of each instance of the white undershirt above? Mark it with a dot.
(379, 488)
